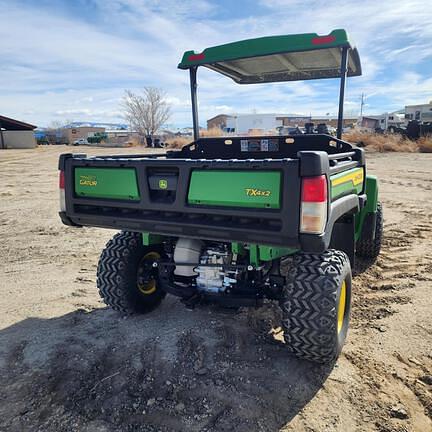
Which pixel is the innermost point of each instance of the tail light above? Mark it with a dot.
(62, 191)
(313, 209)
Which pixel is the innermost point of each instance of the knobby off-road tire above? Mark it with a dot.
(370, 248)
(316, 305)
(122, 265)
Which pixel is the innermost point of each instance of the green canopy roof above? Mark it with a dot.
(278, 58)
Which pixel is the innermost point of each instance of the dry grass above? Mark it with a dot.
(133, 142)
(211, 133)
(425, 144)
(178, 142)
(384, 143)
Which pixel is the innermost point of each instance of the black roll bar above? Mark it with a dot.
(193, 85)
(344, 64)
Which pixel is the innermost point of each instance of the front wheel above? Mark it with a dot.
(126, 276)
(316, 304)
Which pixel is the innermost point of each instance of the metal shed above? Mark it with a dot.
(16, 134)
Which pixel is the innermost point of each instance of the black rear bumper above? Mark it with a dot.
(67, 220)
(306, 242)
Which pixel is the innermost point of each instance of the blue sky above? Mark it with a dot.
(72, 60)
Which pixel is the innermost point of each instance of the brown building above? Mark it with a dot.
(83, 132)
(219, 121)
(347, 121)
(329, 121)
(117, 137)
(16, 134)
(369, 122)
(293, 120)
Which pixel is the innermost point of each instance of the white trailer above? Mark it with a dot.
(422, 113)
(386, 122)
(390, 121)
(243, 123)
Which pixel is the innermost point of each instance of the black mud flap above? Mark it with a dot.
(343, 238)
(369, 227)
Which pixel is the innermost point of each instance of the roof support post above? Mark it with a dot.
(193, 85)
(344, 64)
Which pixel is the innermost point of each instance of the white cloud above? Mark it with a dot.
(64, 65)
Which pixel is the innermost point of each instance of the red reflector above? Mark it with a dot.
(321, 40)
(61, 180)
(314, 189)
(196, 57)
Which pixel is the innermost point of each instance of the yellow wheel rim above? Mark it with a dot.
(341, 307)
(151, 286)
(148, 288)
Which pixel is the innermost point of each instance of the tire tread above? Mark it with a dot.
(115, 279)
(309, 305)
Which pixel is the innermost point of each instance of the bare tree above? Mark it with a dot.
(55, 131)
(146, 112)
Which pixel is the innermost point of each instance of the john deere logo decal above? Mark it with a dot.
(163, 184)
(88, 180)
(257, 192)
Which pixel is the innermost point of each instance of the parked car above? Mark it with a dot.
(81, 141)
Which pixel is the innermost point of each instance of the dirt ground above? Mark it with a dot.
(67, 363)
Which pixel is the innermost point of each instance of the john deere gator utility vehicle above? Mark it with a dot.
(240, 219)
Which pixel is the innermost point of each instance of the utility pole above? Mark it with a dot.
(361, 105)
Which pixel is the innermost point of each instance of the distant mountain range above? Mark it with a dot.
(108, 126)
(96, 124)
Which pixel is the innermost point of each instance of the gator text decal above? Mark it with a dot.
(87, 180)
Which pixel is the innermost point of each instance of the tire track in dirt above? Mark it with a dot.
(396, 269)
(421, 183)
(380, 292)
